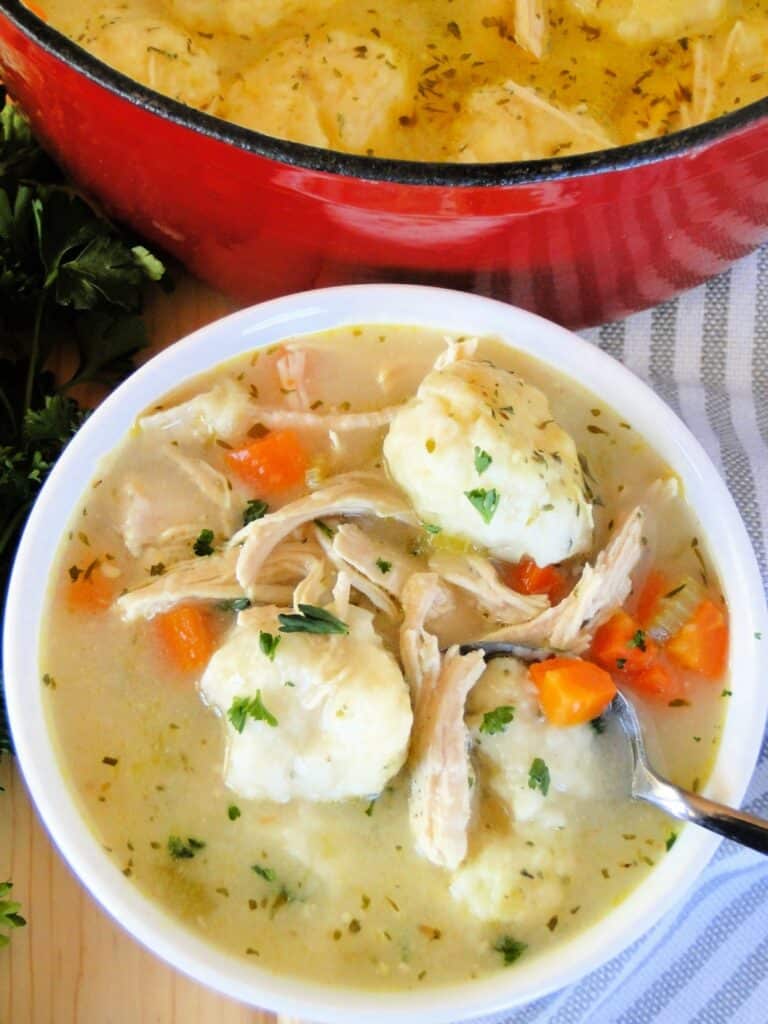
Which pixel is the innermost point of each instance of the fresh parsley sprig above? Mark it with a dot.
(311, 620)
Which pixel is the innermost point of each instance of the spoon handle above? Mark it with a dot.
(680, 803)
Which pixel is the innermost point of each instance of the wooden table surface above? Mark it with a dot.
(73, 963)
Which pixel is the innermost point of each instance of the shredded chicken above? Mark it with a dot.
(212, 484)
(383, 564)
(305, 420)
(569, 625)
(195, 579)
(477, 576)
(419, 650)
(441, 797)
(359, 581)
(226, 412)
(348, 494)
(291, 369)
(704, 86)
(532, 26)
(293, 564)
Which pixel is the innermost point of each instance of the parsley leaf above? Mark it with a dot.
(670, 842)
(638, 640)
(180, 850)
(432, 528)
(269, 643)
(383, 565)
(233, 812)
(598, 724)
(269, 874)
(486, 502)
(311, 620)
(235, 604)
(203, 546)
(9, 913)
(538, 775)
(255, 509)
(482, 460)
(243, 708)
(510, 949)
(498, 719)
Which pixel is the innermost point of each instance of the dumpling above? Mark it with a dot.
(480, 457)
(241, 17)
(645, 21)
(338, 712)
(515, 881)
(513, 122)
(156, 53)
(506, 756)
(337, 90)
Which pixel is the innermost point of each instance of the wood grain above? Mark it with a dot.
(73, 964)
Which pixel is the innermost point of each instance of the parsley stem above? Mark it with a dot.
(33, 356)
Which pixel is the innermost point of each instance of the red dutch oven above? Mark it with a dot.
(581, 239)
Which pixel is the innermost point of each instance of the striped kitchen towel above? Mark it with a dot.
(706, 354)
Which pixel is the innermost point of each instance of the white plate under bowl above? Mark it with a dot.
(266, 324)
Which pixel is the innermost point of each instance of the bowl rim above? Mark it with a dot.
(263, 325)
(379, 169)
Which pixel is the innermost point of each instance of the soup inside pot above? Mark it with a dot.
(493, 81)
(251, 673)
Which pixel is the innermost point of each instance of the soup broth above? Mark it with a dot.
(437, 81)
(323, 877)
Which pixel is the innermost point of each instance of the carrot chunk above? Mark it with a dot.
(655, 587)
(271, 463)
(657, 682)
(620, 645)
(91, 592)
(702, 643)
(526, 577)
(572, 691)
(186, 636)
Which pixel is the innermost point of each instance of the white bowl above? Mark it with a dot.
(265, 324)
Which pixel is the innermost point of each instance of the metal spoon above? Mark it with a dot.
(647, 784)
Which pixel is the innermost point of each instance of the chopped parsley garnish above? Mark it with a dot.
(269, 643)
(255, 509)
(243, 708)
(675, 592)
(383, 565)
(233, 812)
(432, 528)
(268, 874)
(638, 640)
(181, 850)
(598, 724)
(157, 569)
(497, 720)
(486, 502)
(620, 663)
(324, 528)
(9, 913)
(727, 693)
(311, 619)
(510, 949)
(482, 460)
(671, 840)
(111, 761)
(203, 546)
(538, 775)
(371, 805)
(236, 604)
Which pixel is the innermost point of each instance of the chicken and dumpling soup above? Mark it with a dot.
(252, 667)
(462, 81)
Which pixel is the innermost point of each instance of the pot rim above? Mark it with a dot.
(378, 169)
